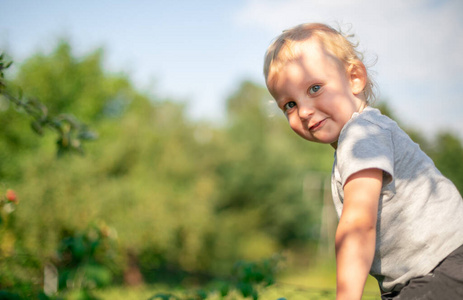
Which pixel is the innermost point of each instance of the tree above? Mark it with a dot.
(447, 154)
(266, 169)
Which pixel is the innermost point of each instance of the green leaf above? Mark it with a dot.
(9, 296)
(37, 127)
(224, 289)
(87, 135)
(43, 296)
(246, 289)
(255, 295)
(99, 275)
(201, 294)
(162, 296)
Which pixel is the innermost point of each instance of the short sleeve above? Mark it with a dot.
(364, 145)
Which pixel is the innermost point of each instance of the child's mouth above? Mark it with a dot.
(317, 125)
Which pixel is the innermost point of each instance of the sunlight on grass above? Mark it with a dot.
(312, 283)
(321, 279)
(128, 293)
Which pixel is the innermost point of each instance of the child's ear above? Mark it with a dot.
(358, 77)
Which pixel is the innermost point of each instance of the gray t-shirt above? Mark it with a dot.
(420, 215)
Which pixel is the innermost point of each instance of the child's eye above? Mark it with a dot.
(314, 88)
(289, 105)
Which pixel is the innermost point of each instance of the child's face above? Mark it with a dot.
(316, 95)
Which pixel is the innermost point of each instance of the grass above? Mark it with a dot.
(313, 283)
(320, 279)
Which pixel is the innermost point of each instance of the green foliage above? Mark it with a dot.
(71, 132)
(252, 275)
(248, 278)
(4, 295)
(3, 66)
(447, 153)
(162, 296)
(19, 269)
(66, 84)
(267, 166)
(86, 259)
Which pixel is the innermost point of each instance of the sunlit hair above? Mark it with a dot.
(284, 49)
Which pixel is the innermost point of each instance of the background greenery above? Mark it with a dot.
(159, 198)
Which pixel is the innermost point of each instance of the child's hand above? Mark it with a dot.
(356, 233)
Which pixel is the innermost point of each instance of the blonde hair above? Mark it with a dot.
(336, 43)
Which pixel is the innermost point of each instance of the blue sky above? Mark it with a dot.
(198, 51)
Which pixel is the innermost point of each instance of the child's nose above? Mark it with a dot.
(305, 111)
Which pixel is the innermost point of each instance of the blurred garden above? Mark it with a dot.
(108, 192)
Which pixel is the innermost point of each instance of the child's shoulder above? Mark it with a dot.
(374, 116)
(370, 120)
(370, 127)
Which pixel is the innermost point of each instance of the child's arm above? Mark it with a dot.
(356, 232)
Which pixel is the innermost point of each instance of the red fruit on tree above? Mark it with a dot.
(11, 196)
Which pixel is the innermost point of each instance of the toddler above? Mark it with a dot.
(400, 219)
